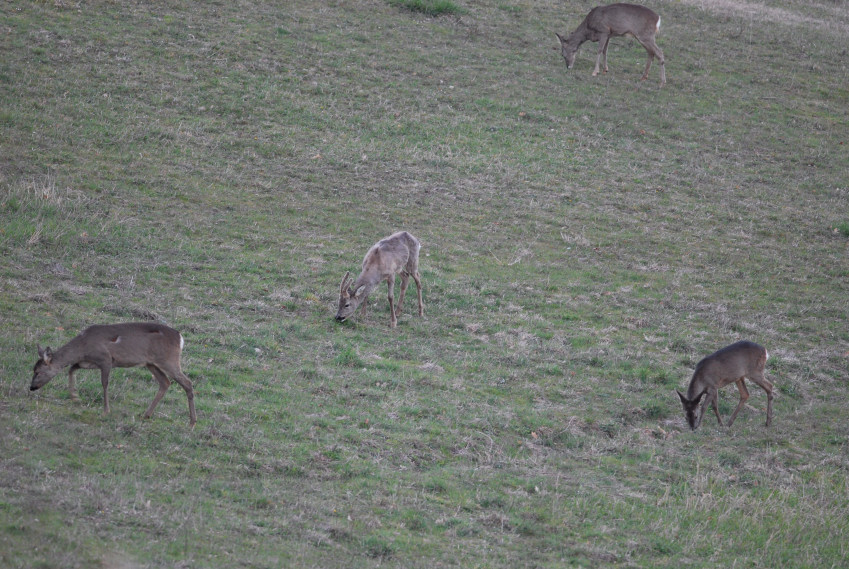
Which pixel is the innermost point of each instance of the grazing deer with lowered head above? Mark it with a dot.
(396, 254)
(154, 346)
(605, 22)
(731, 364)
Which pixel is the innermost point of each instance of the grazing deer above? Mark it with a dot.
(731, 364)
(396, 254)
(155, 346)
(605, 22)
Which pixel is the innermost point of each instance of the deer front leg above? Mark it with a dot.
(710, 399)
(405, 279)
(72, 386)
(104, 380)
(744, 396)
(602, 52)
(393, 320)
(714, 403)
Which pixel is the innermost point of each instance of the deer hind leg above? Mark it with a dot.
(602, 53)
(654, 51)
(759, 379)
(163, 382)
(744, 396)
(183, 381)
(418, 280)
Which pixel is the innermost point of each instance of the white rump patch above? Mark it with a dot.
(182, 342)
(767, 354)
(658, 23)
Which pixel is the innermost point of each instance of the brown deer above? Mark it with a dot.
(396, 254)
(605, 22)
(155, 346)
(731, 364)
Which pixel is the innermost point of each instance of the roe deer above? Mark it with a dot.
(731, 364)
(605, 22)
(155, 346)
(396, 254)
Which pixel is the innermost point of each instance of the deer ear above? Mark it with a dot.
(359, 291)
(699, 398)
(342, 286)
(681, 396)
(46, 354)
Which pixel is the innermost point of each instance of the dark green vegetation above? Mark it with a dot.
(220, 165)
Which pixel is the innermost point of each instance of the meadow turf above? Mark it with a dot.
(218, 166)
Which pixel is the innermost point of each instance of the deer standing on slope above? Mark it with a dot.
(605, 22)
(396, 254)
(154, 346)
(731, 364)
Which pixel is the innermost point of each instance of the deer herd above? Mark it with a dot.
(158, 347)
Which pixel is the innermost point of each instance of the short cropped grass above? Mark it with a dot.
(586, 240)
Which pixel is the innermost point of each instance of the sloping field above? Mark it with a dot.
(219, 166)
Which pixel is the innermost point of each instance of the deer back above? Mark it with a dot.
(741, 359)
(620, 20)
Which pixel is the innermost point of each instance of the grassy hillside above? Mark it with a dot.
(218, 166)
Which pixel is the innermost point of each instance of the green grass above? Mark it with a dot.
(430, 7)
(586, 241)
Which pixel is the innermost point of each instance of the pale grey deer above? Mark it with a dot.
(397, 254)
(605, 22)
(731, 364)
(154, 346)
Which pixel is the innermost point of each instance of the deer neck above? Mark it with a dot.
(71, 353)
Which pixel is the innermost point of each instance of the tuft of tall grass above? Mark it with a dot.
(430, 7)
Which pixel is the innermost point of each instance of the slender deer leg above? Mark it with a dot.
(72, 386)
(418, 280)
(759, 379)
(654, 51)
(104, 380)
(604, 58)
(175, 373)
(602, 52)
(390, 281)
(405, 279)
(163, 382)
(710, 399)
(744, 396)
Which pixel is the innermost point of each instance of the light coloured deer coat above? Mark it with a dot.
(154, 346)
(605, 22)
(731, 364)
(397, 254)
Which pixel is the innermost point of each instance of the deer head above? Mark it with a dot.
(43, 371)
(567, 50)
(349, 300)
(690, 408)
